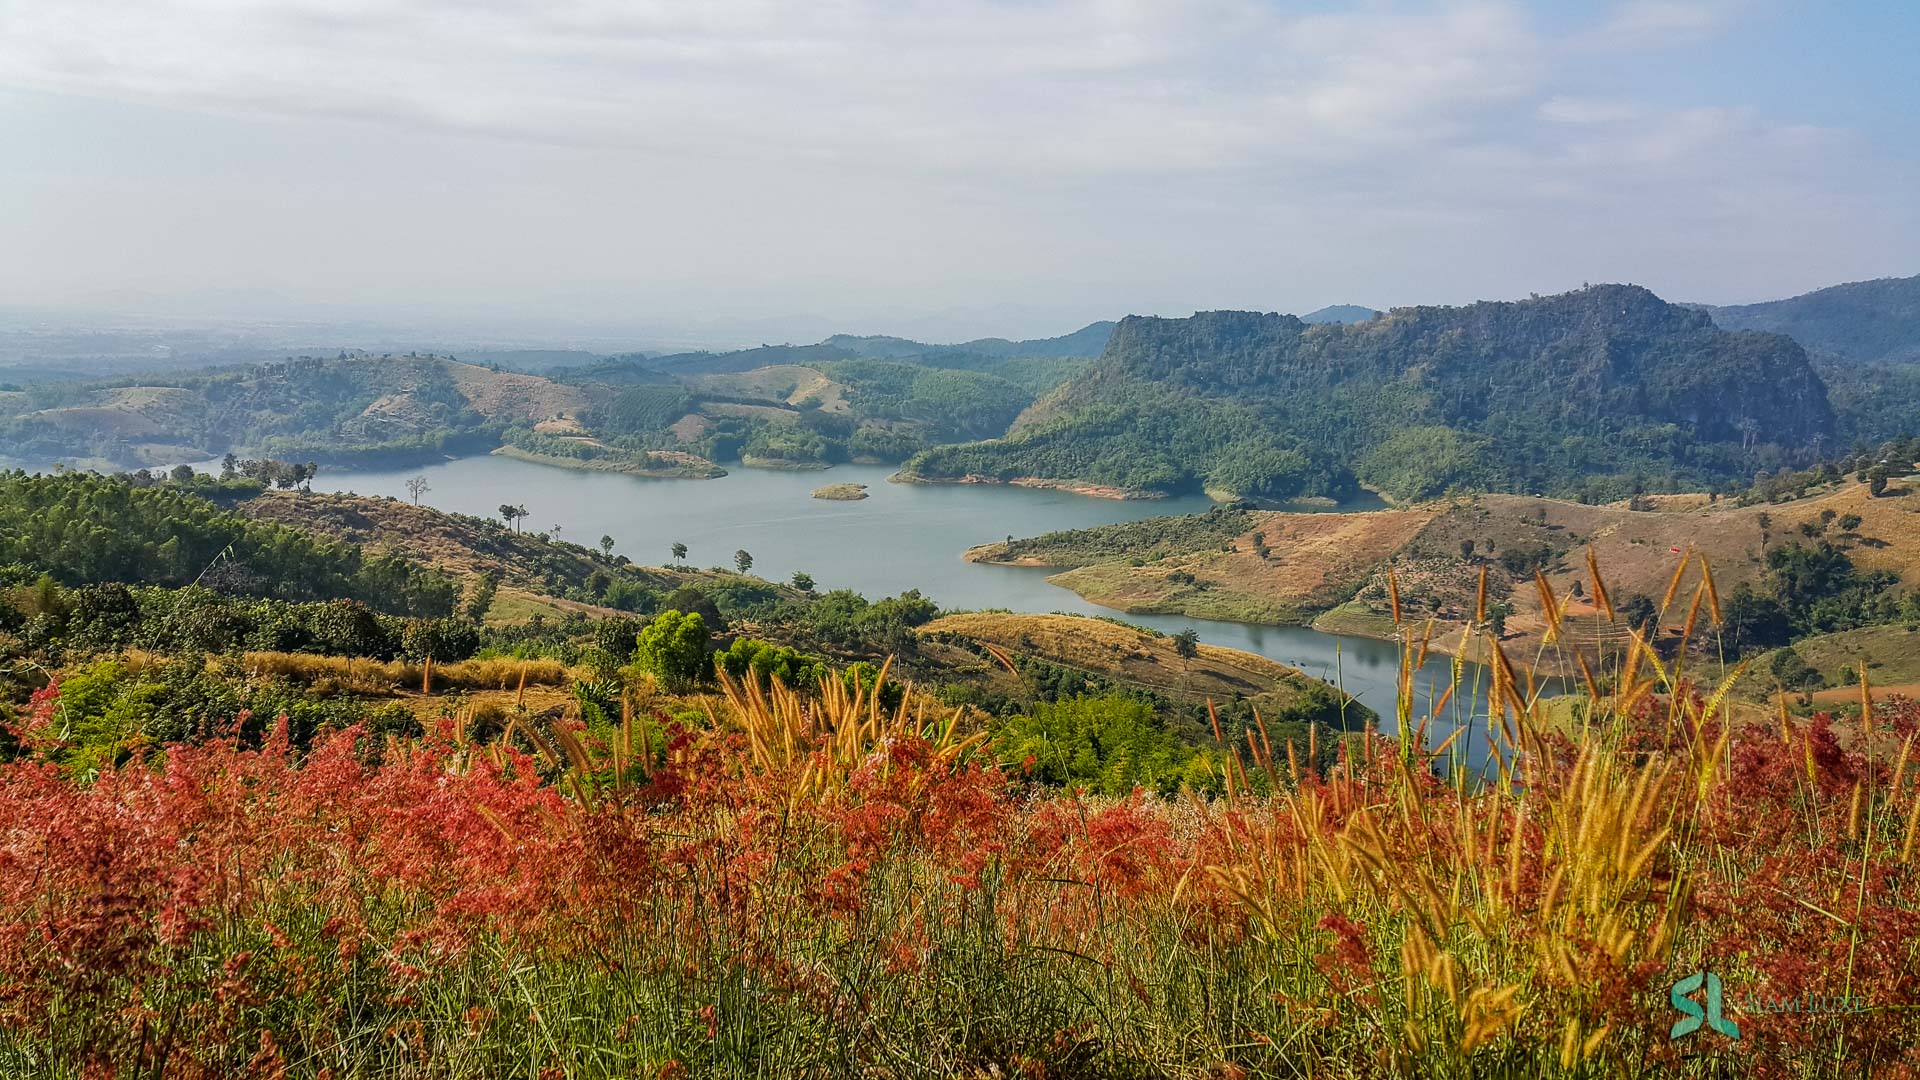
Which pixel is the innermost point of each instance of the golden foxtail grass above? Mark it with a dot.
(385, 676)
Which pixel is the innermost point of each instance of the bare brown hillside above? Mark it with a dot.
(1316, 562)
(507, 395)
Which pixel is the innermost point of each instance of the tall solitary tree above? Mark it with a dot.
(742, 560)
(1186, 643)
(416, 487)
(679, 551)
(606, 545)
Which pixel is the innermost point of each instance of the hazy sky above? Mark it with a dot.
(1028, 164)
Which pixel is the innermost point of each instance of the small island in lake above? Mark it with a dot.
(841, 492)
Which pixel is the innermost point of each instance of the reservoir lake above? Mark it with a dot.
(902, 536)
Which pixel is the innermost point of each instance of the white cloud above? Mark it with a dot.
(1644, 22)
(1206, 150)
(1072, 85)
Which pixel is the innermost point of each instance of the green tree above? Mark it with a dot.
(1792, 671)
(673, 649)
(679, 551)
(606, 545)
(1638, 611)
(803, 581)
(742, 560)
(1497, 618)
(481, 590)
(1187, 643)
(441, 640)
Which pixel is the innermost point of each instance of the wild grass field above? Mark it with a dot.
(814, 884)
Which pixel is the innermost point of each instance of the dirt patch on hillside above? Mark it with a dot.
(507, 395)
(559, 425)
(690, 427)
(789, 384)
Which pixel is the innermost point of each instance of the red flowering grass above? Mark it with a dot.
(872, 898)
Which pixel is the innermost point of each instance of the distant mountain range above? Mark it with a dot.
(1085, 343)
(1591, 393)
(1597, 394)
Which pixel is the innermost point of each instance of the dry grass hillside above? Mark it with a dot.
(787, 384)
(510, 396)
(1311, 561)
(1636, 549)
(1338, 563)
(1127, 655)
(531, 570)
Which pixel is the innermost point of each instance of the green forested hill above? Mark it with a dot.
(1604, 390)
(333, 409)
(1866, 321)
(80, 528)
(1864, 338)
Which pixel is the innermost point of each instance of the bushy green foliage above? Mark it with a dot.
(110, 709)
(440, 640)
(673, 649)
(1792, 671)
(1170, 535)
(83, 528)
(109, 617)
(1107, 745)
(845, 619)
(766, 661)
(861, 677)
(1822, 591)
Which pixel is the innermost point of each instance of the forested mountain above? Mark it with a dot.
(1596, 392)
(338, 409)
(1864, 339)
(1867, 321)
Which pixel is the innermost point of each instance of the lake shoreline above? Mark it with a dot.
(1039, 483)
(904, 537)
(674, 472)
